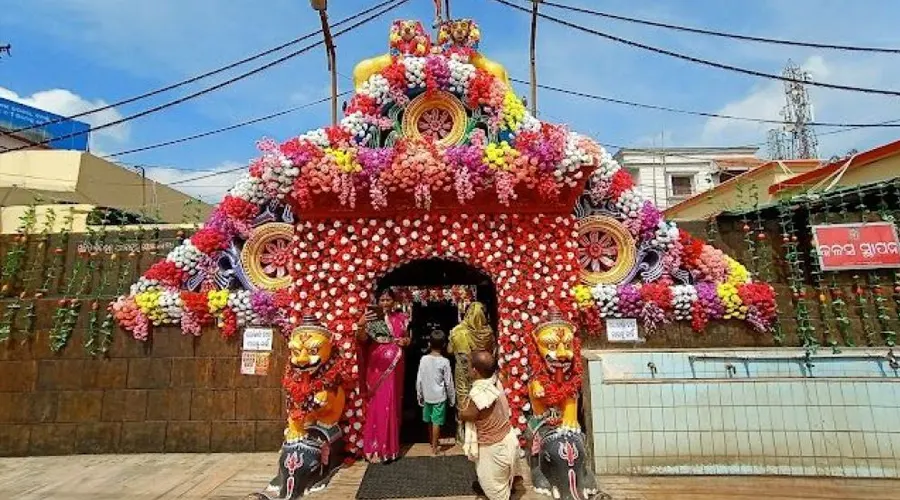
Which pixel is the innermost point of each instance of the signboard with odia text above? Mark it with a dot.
(59, 132)
(869, 245)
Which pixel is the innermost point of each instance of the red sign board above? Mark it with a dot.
(869, 245)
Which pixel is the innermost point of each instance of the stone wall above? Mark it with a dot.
(176, 394)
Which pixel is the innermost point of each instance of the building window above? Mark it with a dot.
(682, 186)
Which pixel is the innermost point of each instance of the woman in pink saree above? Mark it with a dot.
(385, 331)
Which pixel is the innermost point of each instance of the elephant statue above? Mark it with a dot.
(306, 466)
(558, 464)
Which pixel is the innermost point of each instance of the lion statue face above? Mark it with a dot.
(310, 347)
(409, 30)
(460, 32)
(555, 344)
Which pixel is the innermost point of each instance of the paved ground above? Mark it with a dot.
(233, 476)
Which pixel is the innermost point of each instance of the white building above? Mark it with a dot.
(670, 175)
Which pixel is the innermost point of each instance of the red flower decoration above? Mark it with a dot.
(165, 273)
(395, 74)
(698, 317)
(229, 323)
(620, 182)
(691, 250)
(659, 294)
(364, 104)
(337, 137)
(480, 89)
(208, 241)
(198, 305)
(238, 208)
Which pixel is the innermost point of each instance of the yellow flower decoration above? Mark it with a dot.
(345, 160)
(737, 273)
(734, 307)
(513, 111)
(148, 302)
(217, 299)
(500, 156)
(583, 296)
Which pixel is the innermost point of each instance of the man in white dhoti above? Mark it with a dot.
(486, 416)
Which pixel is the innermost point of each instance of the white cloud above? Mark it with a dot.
(209, 189)
(66, 103)
(766, 101)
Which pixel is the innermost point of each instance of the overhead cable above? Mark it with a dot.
(704, 62)
(722, 34)
(214, 87)
(223, 129)
(197, 77)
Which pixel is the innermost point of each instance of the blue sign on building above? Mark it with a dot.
(14, 116)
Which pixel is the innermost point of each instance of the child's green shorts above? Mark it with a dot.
(435, 413)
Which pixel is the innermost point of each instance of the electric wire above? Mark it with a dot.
(722, 34)
(196, 78)
(586, 95)
(223, 129)
(212, 88)
(704, 62)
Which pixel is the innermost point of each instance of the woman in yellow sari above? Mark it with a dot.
(474, 333)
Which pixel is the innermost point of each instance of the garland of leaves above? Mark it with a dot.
(123, 272)
(821, 288)
(66, 315)
(11, 266)
(32, 289)
(838, 305)
(874, 280)
(15, 256)
(94, 341)
(749, 240)
(805, 329)
(766, 271)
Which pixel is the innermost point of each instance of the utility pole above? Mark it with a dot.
(534, 18)
(321, 6)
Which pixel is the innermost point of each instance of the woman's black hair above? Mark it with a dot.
(390, 293)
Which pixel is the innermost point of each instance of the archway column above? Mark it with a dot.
(531, 259)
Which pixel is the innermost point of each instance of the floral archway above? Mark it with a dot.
(338, 263)
(438, 157)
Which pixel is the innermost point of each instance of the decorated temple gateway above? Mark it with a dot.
(437, 158)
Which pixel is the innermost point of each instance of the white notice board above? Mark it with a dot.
(258, 339)
(622, 330)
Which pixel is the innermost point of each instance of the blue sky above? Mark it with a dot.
(70, 55)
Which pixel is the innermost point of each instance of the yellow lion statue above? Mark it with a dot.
(313, 380)
(554, 387)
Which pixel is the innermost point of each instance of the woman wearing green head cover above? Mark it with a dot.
(473, 334)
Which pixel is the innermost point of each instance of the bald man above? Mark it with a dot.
(498, 446)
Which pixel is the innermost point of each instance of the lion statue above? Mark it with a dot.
(558, 456)
(316, 395)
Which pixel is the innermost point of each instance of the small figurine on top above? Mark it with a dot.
(408, 38)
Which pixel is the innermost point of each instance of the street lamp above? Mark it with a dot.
(321, 6)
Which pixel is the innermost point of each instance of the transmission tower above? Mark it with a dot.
(777, 142)
(795, 139)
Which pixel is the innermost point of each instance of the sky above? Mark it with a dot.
(73, 55)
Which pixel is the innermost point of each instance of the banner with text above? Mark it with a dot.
(869, 245)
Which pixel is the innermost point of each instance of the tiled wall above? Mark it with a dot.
(744, 412)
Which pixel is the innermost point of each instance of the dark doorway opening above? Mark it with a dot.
(430, 316)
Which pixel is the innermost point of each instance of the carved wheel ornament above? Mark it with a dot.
(606, 250)
(439, 116)
(266, 256)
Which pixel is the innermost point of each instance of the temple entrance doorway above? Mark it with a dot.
(430, 313)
